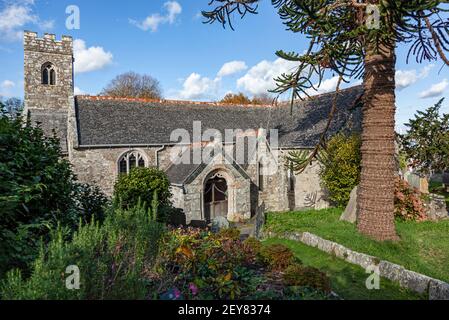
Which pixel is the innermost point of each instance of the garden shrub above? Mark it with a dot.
(142, 184)
(113, 259)
(409, 203)
(340, 171)
(278, 256)
(197, 264)
(252, 244)
(230, 233)
(299, 275)
(91, 202)
(38, 190)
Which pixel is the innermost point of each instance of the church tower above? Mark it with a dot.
(48, 66)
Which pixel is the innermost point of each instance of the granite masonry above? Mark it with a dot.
(104, 137)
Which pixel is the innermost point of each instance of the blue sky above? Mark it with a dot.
(192, 61)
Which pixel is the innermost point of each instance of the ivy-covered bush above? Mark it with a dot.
(340, 171)
(409, 203)
(141, 185)
(113, 260)
(38, 190)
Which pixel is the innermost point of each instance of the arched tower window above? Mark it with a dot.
(129, 161)
(48, 74)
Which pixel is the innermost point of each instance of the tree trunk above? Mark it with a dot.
(376, 192)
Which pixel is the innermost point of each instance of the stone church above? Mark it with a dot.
(105, 137)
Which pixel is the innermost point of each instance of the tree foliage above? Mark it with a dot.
(426, 142)
(340, 171)
(11, 107)
(236, 98)
(142, 185)
(339, 32)
(241, 98)
(38, 190)
(133, 85)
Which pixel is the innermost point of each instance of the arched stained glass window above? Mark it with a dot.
(129, 161)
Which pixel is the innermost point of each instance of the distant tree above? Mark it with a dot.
(263, 98)
(11, 107)
(427, 140)
(133, 85)
(236, 98)
(240, 98)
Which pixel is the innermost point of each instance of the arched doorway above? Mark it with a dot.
(215, 197)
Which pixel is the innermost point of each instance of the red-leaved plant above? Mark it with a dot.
(409, 202)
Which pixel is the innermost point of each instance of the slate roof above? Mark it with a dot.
(104, 121)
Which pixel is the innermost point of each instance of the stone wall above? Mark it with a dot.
(308, 191)
(100, 166)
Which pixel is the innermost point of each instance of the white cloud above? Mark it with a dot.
(260, 78)
(197, 87)
(435, 90)
(78, 91)
(15, 16)
(7, 84)
(405, 78)
(89, 59)
(5, 88)
(231, 68)
(152, 22)
(326, 86)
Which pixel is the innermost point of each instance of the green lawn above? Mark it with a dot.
(424, 247)
(347, 280)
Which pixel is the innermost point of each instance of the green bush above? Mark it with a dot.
(340, 171)
(141, 185)
(90, 202)
(38, 190)
(112, 258)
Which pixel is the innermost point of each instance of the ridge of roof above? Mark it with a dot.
(206, 103)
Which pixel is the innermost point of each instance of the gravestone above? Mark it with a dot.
(219, 223)
(350, 214)
(437, 208)
(446, 180)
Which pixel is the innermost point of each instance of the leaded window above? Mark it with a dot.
(129, 161)
(48, 74)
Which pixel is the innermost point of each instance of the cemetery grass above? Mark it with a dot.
(423, 248)
(347, 280)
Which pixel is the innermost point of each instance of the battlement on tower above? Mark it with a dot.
(48, 43)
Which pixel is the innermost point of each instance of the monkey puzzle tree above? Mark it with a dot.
(357, 39)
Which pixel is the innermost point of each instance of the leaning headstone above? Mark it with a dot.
(437, 208)
(219, 223)
(350, 213)
(446, 180)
